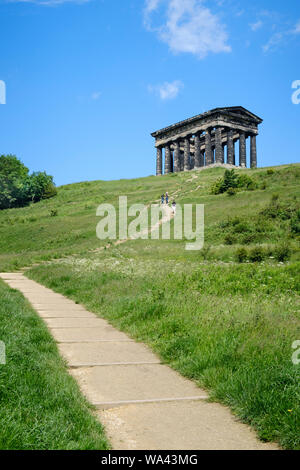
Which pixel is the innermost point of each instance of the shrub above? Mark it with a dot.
(242, 227)
(263, 185)
(241, 255)
(282, 252)
(231, 191)
(249, 238)
(245, 182)
(230, 239)
(277, 210)
(216, 187)
(257, 254)
(53, 213)
(50, 191)
(295, 223)
(231, 181)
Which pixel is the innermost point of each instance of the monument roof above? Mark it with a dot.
(234, 111)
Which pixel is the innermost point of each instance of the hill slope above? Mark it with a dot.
(67, 223)
(225, 316)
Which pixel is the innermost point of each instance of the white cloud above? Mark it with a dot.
(188, 26)
(274, 41)
(96, 95)
(256, 26)
(281, 37)
(167, 90)
(297, 28)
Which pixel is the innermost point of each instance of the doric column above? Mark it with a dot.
(186, 154)
(243, 157)
(218, 145)
(234, 159)
(223, 152)
(167, 159)
(253, 154)
(208, 150)
(202, 158)
(192, 161)
(230, 148)
(197, 151)
(176, 156)
(181, 161)
(159, 161)
(213, 154)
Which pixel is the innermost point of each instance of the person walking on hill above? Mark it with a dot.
(167, 198)
(162, 198)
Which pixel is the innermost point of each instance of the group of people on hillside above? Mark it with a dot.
(165, 200)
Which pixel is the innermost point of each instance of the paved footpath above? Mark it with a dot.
(142, 403)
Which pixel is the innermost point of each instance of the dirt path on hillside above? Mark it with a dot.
(142, 403)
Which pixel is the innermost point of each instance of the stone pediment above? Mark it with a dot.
(231, 114)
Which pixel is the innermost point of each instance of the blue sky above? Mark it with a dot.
(88, 81)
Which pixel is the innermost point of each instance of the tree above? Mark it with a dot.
(37, 185)
(12, 168)
(18, 188)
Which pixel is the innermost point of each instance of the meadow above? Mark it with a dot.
(225, 316)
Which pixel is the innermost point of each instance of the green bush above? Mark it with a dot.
(231, 182)
(230, 239)
(257, 254)
(282, 252)
(231, 191)
(295, 223)
(278, 210)
(241, 255)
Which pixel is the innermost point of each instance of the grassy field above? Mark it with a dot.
(225, 316)
(41, 406)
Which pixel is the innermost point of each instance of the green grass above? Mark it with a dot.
(227, 325)
(31, 234)
(41, 406)
(229, 328)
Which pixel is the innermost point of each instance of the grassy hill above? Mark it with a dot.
(225, 316)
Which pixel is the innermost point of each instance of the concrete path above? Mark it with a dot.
(142, 403)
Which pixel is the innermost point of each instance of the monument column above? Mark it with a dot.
(202, 159)
(223, 152)
(186, 154)
(218, 145)
(243, 157)
(197, 151)
(208, 149)
(167, 159)
(176, 156)
(230, 147)
(158, 161)
(234, 159)
(253, 154)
